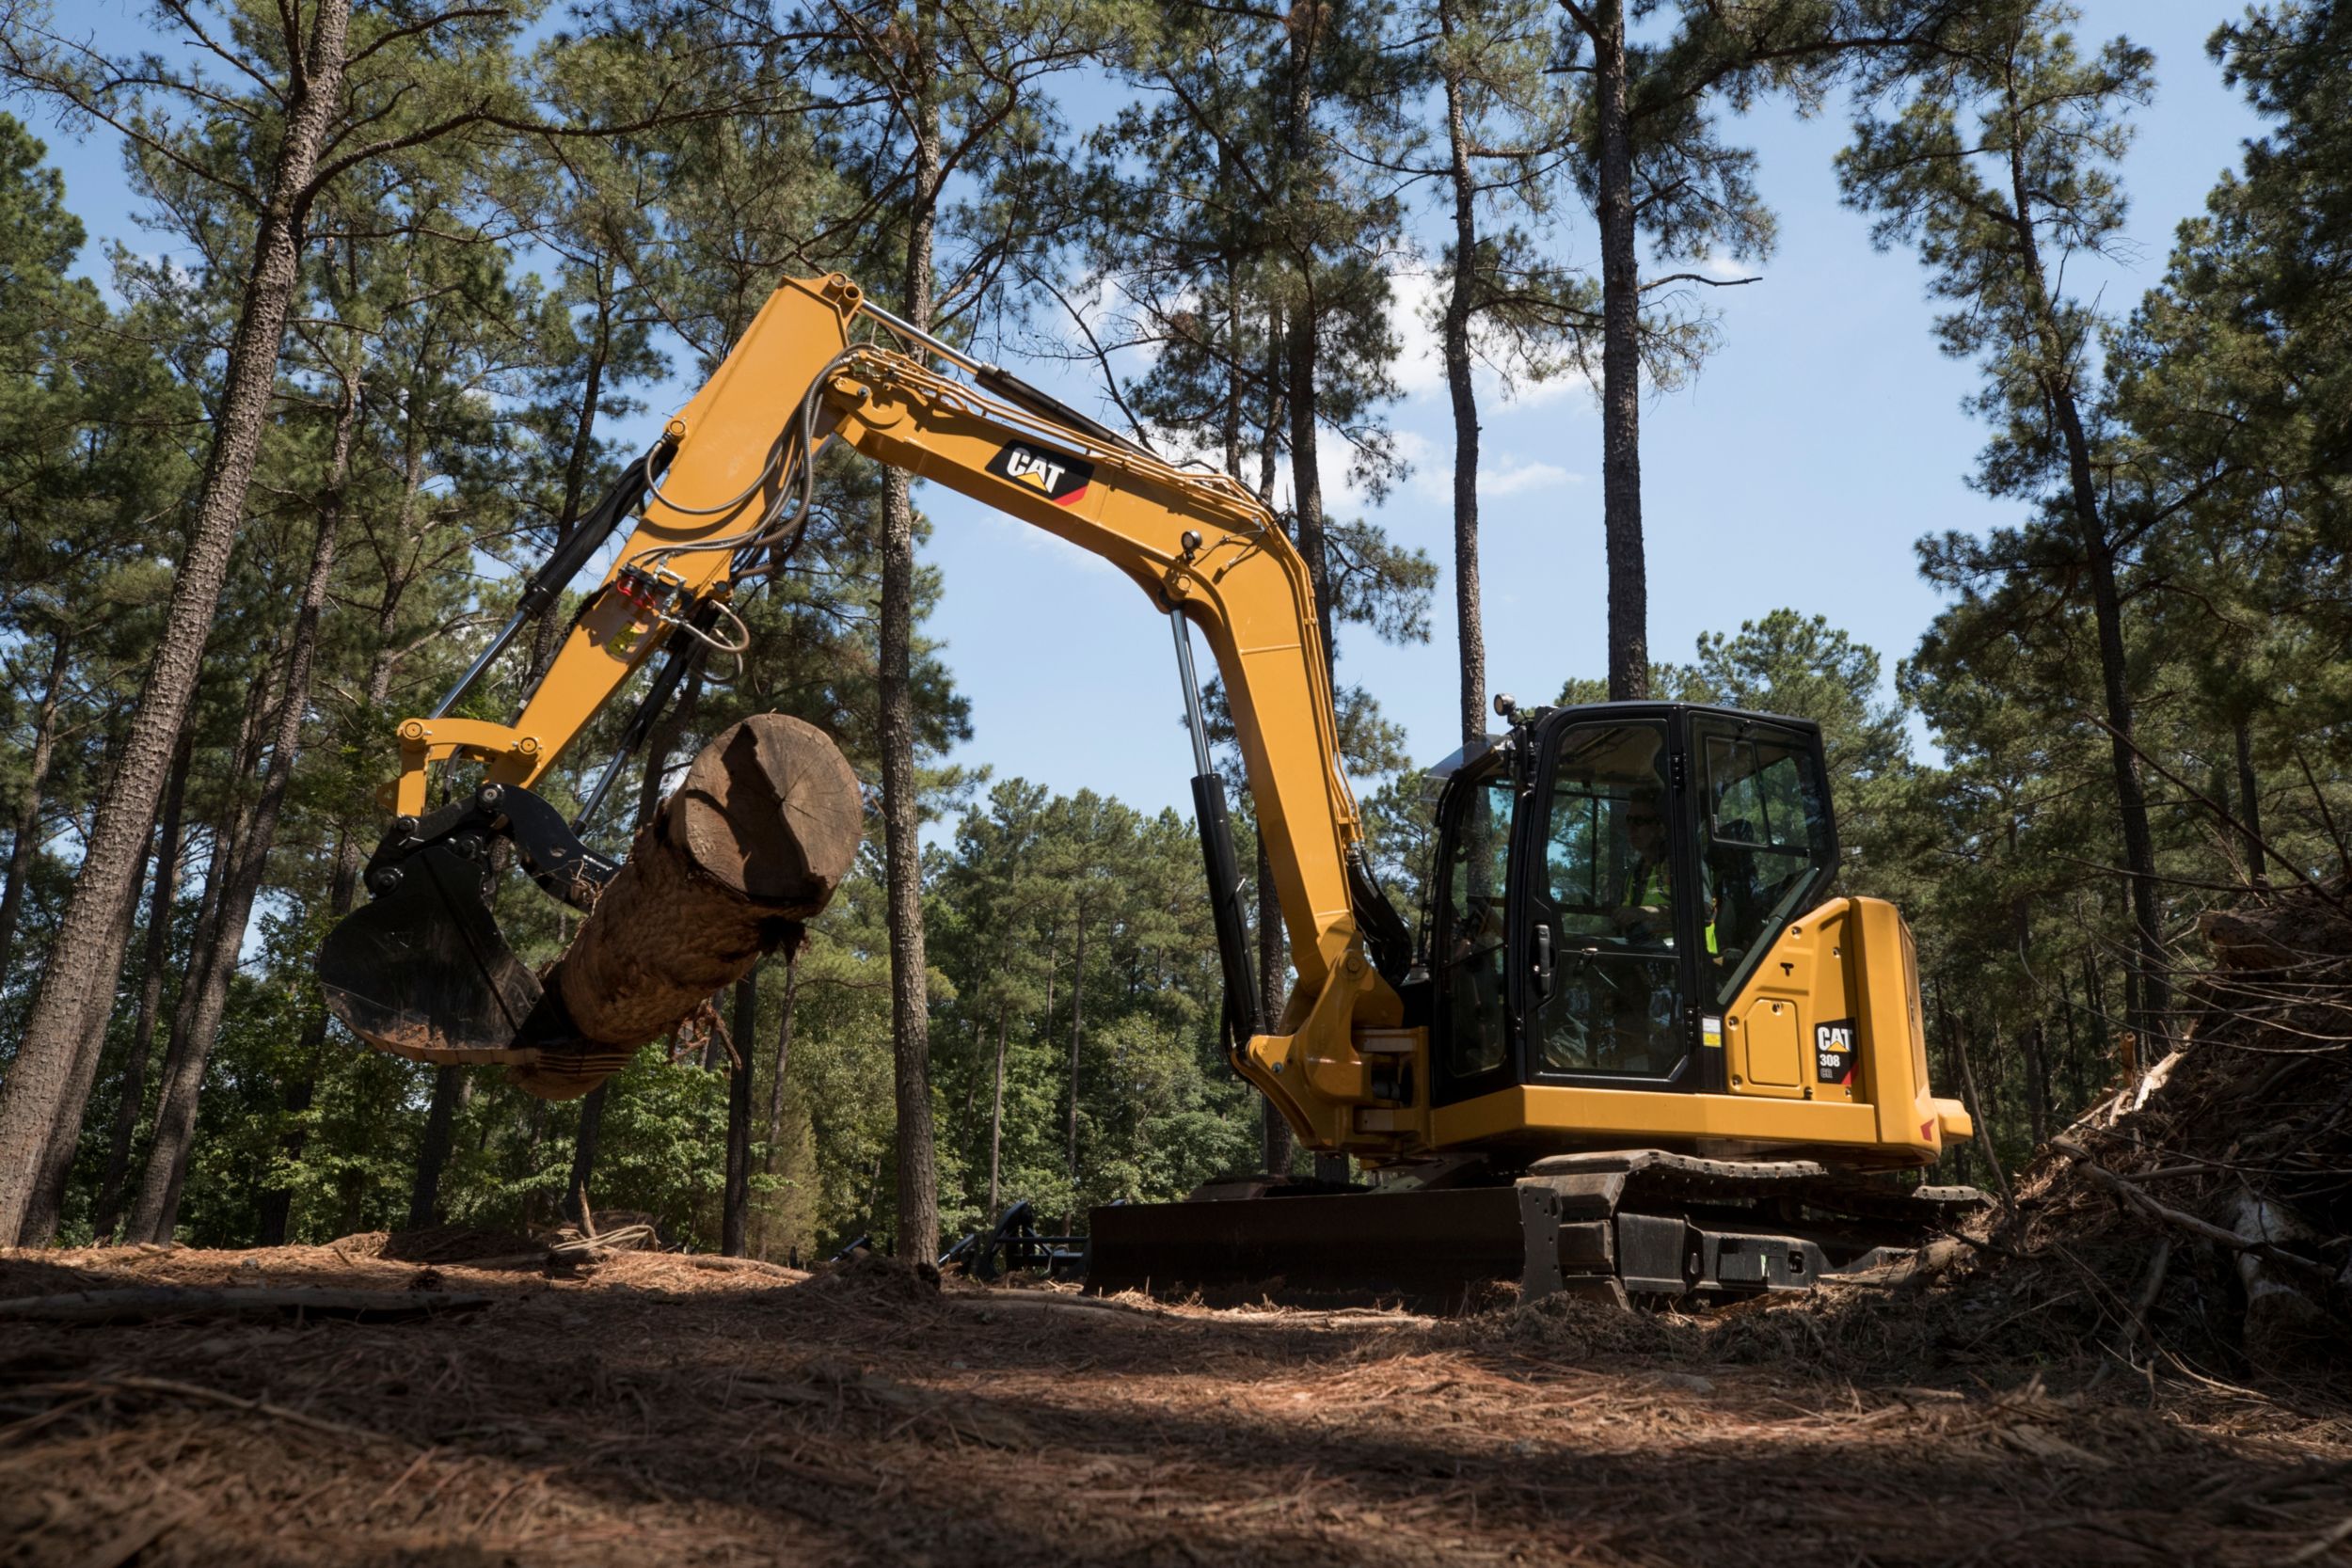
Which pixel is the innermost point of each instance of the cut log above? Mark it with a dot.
(751, 845)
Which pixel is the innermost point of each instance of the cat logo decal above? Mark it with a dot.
(1060, 477)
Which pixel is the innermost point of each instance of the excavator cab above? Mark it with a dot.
(1610, 876)
(1659, 1051)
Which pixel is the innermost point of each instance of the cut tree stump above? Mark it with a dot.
(749, 847)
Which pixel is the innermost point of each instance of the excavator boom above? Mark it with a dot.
(1198, 545)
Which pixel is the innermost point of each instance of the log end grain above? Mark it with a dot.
(751, 845)
(771, 810)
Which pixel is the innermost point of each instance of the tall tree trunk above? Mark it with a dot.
(26, 836)
(1977, 1109)
(78, 982)
(1277, 404)
(734, 1197)
(548, 636)
(440, 1121)
(784, 1053)
(2035, 1044)
(2031, 1043)
(585, 1159)
(2150, 1003)
(156, 956)
(57, 1165)
(996, 1125)
(157, 1207)
(1620, 365)
(1305, 410)
(1469, 637)
(917, 1238)
(1274, 1133)
(1077, 1032)
(2077, 1096)
(2096, 997)
(2249, 802)
(775, 1086)
(1304, 346)
(232, 828)
(276, 1204)
(1229, 418)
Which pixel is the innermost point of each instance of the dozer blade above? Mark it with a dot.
(1450, 1250)
(422, 971)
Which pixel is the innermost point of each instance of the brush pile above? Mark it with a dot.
(2205, 1212)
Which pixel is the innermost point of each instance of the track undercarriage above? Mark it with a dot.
(1618, 1226)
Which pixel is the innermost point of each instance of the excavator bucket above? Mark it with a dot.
(422, 971)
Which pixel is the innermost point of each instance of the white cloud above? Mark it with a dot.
(1500, 474)
(1413, 314)
(1499, 375)
(1513, 478)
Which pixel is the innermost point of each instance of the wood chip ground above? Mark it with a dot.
(656, 1410)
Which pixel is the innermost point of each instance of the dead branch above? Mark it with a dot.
(144, 1303)
(2138, 1199)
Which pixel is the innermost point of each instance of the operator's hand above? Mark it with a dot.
(1631, 917)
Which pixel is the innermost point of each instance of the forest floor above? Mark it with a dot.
(656, 1408)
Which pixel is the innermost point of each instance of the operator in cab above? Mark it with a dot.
(1645, 914)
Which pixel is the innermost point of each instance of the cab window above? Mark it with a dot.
(1765, 842)
(1614, 1003)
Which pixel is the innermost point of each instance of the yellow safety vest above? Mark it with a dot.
(1645, 875)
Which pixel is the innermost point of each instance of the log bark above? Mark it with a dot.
(752, 844)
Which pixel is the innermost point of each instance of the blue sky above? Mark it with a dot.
(1822, 439)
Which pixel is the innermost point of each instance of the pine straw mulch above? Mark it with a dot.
(651, 1408)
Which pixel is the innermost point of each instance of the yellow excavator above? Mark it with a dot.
(1638, 1048)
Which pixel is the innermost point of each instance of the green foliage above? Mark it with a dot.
(485, 313)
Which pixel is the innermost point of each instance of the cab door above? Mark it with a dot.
(1472, 1035)
(1610, 907)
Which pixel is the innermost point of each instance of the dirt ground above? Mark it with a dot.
(658, 1409)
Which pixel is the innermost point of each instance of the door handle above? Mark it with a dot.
(1543, 963)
